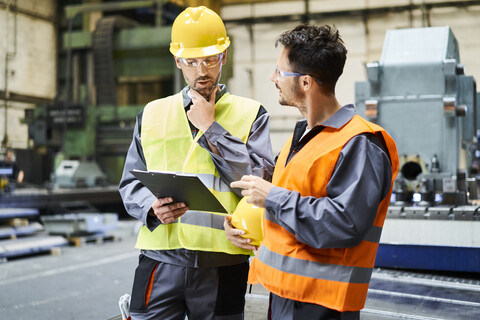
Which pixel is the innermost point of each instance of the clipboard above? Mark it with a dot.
(186, 188)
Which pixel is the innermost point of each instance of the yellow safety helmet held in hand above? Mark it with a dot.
(248, 218)
(198, 32)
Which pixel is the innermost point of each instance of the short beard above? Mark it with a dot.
(297, 95)
(206, 92)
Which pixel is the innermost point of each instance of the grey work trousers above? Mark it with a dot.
(163, 291)
(286, 309)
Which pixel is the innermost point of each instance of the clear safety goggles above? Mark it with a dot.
(279, 74)
(209, 62)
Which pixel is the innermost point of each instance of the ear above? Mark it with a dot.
(306, 82)
(224, 59)
(177, 62)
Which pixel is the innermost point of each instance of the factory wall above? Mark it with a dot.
(255, 55)
(28, 64)
(28, 37)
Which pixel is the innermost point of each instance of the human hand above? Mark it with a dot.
(235, 235)
(202, 112)
(255, 188)
(166, 211)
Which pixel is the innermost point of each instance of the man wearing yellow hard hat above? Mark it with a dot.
(187, 267)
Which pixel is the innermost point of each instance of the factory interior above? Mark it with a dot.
(74, 74)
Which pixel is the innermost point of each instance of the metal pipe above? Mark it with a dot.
(306, 18)
(5, 100)
(351, 13)
(251, 39)
(26, 12)
(67, 79)
(71, 11)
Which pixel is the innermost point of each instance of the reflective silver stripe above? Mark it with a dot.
(203, 219)
(313, 269)
(213, 182)
(373, 234)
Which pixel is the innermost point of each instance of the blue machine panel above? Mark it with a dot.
(439, 258)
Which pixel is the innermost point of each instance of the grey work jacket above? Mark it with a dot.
(235, 160)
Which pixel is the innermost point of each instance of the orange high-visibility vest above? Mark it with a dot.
(336, 278)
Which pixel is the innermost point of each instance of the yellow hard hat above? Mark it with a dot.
(198, 32)
(248, 218)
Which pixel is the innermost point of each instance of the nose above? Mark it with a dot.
(202, 69)
(273, 77)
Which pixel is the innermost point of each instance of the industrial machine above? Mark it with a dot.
(419, 93)
(116, 70)
(106, 76)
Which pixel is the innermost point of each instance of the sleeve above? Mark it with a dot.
(137, 199)
(237, 158)
(361, 179)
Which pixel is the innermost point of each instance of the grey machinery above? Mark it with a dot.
(419, 93)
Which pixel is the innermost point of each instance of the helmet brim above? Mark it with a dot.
(200, 52)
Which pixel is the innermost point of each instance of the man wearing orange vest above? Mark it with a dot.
(331, 187)
(187, 267)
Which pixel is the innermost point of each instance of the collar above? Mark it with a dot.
(341, 117)
(338, 120)
(187, 100)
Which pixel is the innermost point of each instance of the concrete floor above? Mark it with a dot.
(78, 283)
(86, 282)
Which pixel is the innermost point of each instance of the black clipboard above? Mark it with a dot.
(181, 187)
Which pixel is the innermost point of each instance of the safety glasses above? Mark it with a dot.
(279, 74)
(209, 62)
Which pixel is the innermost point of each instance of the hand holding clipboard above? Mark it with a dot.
(187, 188)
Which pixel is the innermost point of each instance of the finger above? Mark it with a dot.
(171, 216)
(250, 199)
(245, 244)
(195, 94)
(227, 223)
(179, 212)
(238, 232)
(239, 184)
(168, 208)
(230, 229)
(248, 178)
(162, 201)
(247, 193)
(175, 206)
(240, 242)
(212, 95)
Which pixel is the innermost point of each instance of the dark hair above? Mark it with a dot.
(315, 50)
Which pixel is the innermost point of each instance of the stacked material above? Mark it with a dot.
(18, 234)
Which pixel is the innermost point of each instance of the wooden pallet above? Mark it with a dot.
(79, 241)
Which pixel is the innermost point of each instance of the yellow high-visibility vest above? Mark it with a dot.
(168, 145)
